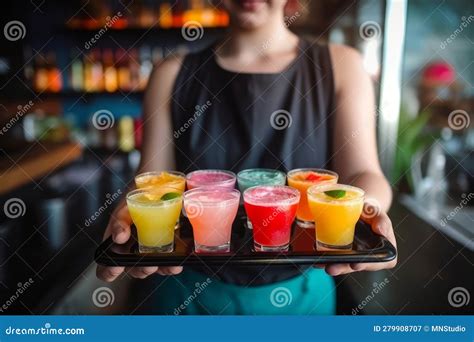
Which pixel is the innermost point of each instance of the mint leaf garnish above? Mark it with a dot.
(169, 196)
(335, 193)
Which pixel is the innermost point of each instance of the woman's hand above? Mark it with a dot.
(119, 228)
(381, 225)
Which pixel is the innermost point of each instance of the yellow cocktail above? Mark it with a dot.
(302, 179)
(336, 208)
(154, 179)
(154, 212)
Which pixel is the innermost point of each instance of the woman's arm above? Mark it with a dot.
(355, 145)
(157, 153)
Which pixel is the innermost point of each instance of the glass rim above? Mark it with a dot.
(205, 189)
(225, 181)
(290, 173)
(318, 188)
(150, 189)
(153, 173)
(242, 172)
(288, 201)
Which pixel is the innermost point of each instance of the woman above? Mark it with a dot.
(234, 93)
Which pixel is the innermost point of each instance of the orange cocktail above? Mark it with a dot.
(302, 179)
(336, 208)
(174, 179)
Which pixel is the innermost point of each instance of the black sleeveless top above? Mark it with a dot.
(228, 120)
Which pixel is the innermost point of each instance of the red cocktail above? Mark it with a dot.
(272, 210)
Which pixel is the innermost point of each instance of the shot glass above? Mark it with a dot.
(211, 178)
(272, 210)
(302, 179)
(154, 211)
(336, 208)
(253, 177)
(174, 179)
(211, 212)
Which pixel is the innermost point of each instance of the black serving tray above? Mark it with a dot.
(367, 247)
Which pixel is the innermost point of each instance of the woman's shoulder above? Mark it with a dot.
(165, 72)
(341, 52)
(170, 64)
(347, 64)
(174, 62)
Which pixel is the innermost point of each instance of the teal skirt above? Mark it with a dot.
(193, 293)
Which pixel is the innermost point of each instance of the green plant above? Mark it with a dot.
(412, 137)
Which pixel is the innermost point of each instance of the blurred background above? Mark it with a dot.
(72, 76)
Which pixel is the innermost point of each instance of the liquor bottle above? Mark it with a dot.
(41, 74)
(201, 13)
(29, 69)
(126, 134)
(165, 15)
(97, 71)
(209, 16)
(134, 69)
(222, 19)
(88, 65)
(157, 55)
(146, 17)
(110, 72)
(55, 78)
(146, 66)
(177, 14)
(77, 73)
(122, 70)
(138, 132)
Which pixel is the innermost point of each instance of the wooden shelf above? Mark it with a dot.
(138, 29)
(34, 161)
(72, 93)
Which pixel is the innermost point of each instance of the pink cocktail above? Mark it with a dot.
(211, 178)
(211, 213)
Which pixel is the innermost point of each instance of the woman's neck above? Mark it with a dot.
(266, 40)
